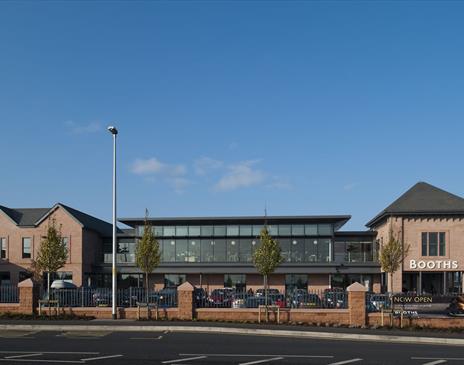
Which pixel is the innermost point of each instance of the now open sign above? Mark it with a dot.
(412, 299)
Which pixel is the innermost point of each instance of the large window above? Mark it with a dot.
(233, 250)
(181, 250)
(295, 281)
(220, 250)
(174, 280)
(126, 252)
(194, 250)
(169, 250)
(207, 250)
(317, 250)
(433, 244)
(3, 248)
(237, 281)
(26, 252)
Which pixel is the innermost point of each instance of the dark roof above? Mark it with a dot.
(30, 217)
(337, 220)
(25, 217)
(90, 222)
(423, 199)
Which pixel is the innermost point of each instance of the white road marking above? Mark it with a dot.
(24, 355)
(261, 361)
(439, 358)
(182, 360)
(101, 357)
(146, 338)
(345, 362)
(435, 362)
(260, 355)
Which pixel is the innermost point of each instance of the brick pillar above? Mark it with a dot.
(28, 296)
(185, 301)
(357, 304)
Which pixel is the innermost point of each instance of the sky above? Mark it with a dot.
(227, 107)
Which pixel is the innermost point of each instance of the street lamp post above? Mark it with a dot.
(114, 132)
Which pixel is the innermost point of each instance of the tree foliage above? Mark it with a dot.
(392, 255)
(52, 254)
(268, 255)
(147, 252)
(266, 258)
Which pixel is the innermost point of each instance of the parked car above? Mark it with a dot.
(335, 298)
(270, 291)
(256, 301)
(199, 295)
(302, 299)
(101, 297)
(221, 298)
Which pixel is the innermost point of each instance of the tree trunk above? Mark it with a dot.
(146, 286)
(48, 284)
(266, 298)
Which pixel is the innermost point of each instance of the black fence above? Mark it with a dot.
(102, 297)
(9, 294)
(303, 299)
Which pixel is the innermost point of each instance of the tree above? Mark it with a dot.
(266, 258)
(52, 254)
(392, 255)
(147, 252)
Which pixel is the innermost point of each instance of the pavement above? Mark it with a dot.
(406, 336)
(64, 346)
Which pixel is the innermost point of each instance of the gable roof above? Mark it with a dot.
(31, 217)
(423, 199)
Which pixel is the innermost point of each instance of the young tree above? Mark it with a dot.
(266, 258)
(147, 252)
(52, 254)
(392, 255)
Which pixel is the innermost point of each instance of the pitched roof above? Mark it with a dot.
(30, 217)
(423, 199)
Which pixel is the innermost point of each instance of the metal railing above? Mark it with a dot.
(102, 297)
(301, 299)
(9, 294)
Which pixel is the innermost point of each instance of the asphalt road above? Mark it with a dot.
(196, 349)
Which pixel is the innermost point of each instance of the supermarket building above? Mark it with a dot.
(214, 252)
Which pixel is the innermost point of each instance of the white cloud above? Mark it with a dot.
(76, 128)
(279, 183)
(152, 166)
(204, 164)
(240, 175)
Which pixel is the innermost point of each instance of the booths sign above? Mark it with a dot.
(433, 264)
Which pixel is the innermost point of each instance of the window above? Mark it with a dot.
(181, 250)
(295, 281)
(220, 250)
(273, 230)
(207, 231)
(311, 229)
(3, 252)
(317, 250)
(169, 231)
(245, 231)
(158, 231)
(207, 250)
(325, 229)
(194, 251)
(181, 231)
(433, 243)
(174, 280)
(257, 230)
(219, 231)
(237, 281)
(5, 278)
(284, 244)
(246, 250)
(232, 250)
(26, 248)
(298, 230)
(285, 230)
(297, 250)
(194, 231)
(169, 250)
(232, 231)
(66, 244)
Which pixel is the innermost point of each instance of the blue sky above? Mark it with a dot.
(225, 106)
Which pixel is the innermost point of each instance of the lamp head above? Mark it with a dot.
(112, 129)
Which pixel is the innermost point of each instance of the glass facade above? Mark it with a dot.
(300, 243)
